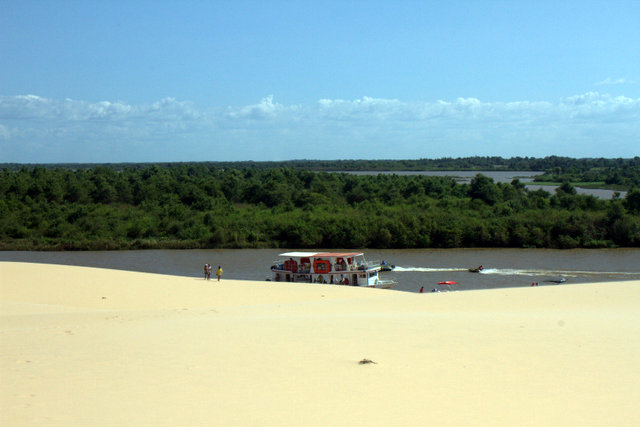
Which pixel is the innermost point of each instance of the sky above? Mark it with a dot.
(163, 81)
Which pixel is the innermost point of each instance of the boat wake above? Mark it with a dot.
(426, 269)
(565, 273)
(519, 272)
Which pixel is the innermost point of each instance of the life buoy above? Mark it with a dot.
(321, 266)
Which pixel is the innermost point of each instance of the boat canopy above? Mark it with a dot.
(320, 254)
(298, 254)
(338, 254)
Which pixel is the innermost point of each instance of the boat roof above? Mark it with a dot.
(320, 254)
(338, 254)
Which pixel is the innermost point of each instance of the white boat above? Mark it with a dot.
(337, 268)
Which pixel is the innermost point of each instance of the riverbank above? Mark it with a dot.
(87, 346)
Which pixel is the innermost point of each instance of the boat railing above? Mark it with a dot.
(338, 268)
(302, 268)
(367, 265)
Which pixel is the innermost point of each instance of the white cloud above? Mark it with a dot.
(596, 106)
(364, 109)
(585, 125)
(266, 108)
(5, 133)
(31, 107)
(172, 109)
(619, 81)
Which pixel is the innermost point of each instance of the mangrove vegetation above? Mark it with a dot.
(249, 205)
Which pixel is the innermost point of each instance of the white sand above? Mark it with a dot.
(94, 347)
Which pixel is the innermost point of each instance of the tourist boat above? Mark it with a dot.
(338, 268)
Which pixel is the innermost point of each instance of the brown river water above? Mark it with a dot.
(415, 268)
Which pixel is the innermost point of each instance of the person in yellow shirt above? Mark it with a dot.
(219, 273)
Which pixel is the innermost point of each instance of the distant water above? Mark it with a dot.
(600, 193)
(415, 268)
(526, 177)
(461, 176)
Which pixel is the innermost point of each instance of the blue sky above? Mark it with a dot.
(144, 81)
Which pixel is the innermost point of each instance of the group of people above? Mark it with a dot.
(207, 272)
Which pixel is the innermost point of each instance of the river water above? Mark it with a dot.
(415, 268)
(460, 176)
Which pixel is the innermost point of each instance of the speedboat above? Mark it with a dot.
(386, 267)
(337, 268)
(476, 270)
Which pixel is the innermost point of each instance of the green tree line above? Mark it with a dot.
(552, 165)
(204, 205)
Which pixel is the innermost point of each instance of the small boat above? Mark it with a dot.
(562, 280)
(476, 270)
(448, 283)
(336, 268)
(386, 267)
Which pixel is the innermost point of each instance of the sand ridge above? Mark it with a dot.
(86, 346)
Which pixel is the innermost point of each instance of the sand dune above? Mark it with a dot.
(94, 347)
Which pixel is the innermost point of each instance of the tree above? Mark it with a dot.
(566, 188)
(632, 200)
(483, 188)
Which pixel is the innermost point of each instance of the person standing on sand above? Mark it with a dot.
(219, 273)
(206, 271)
